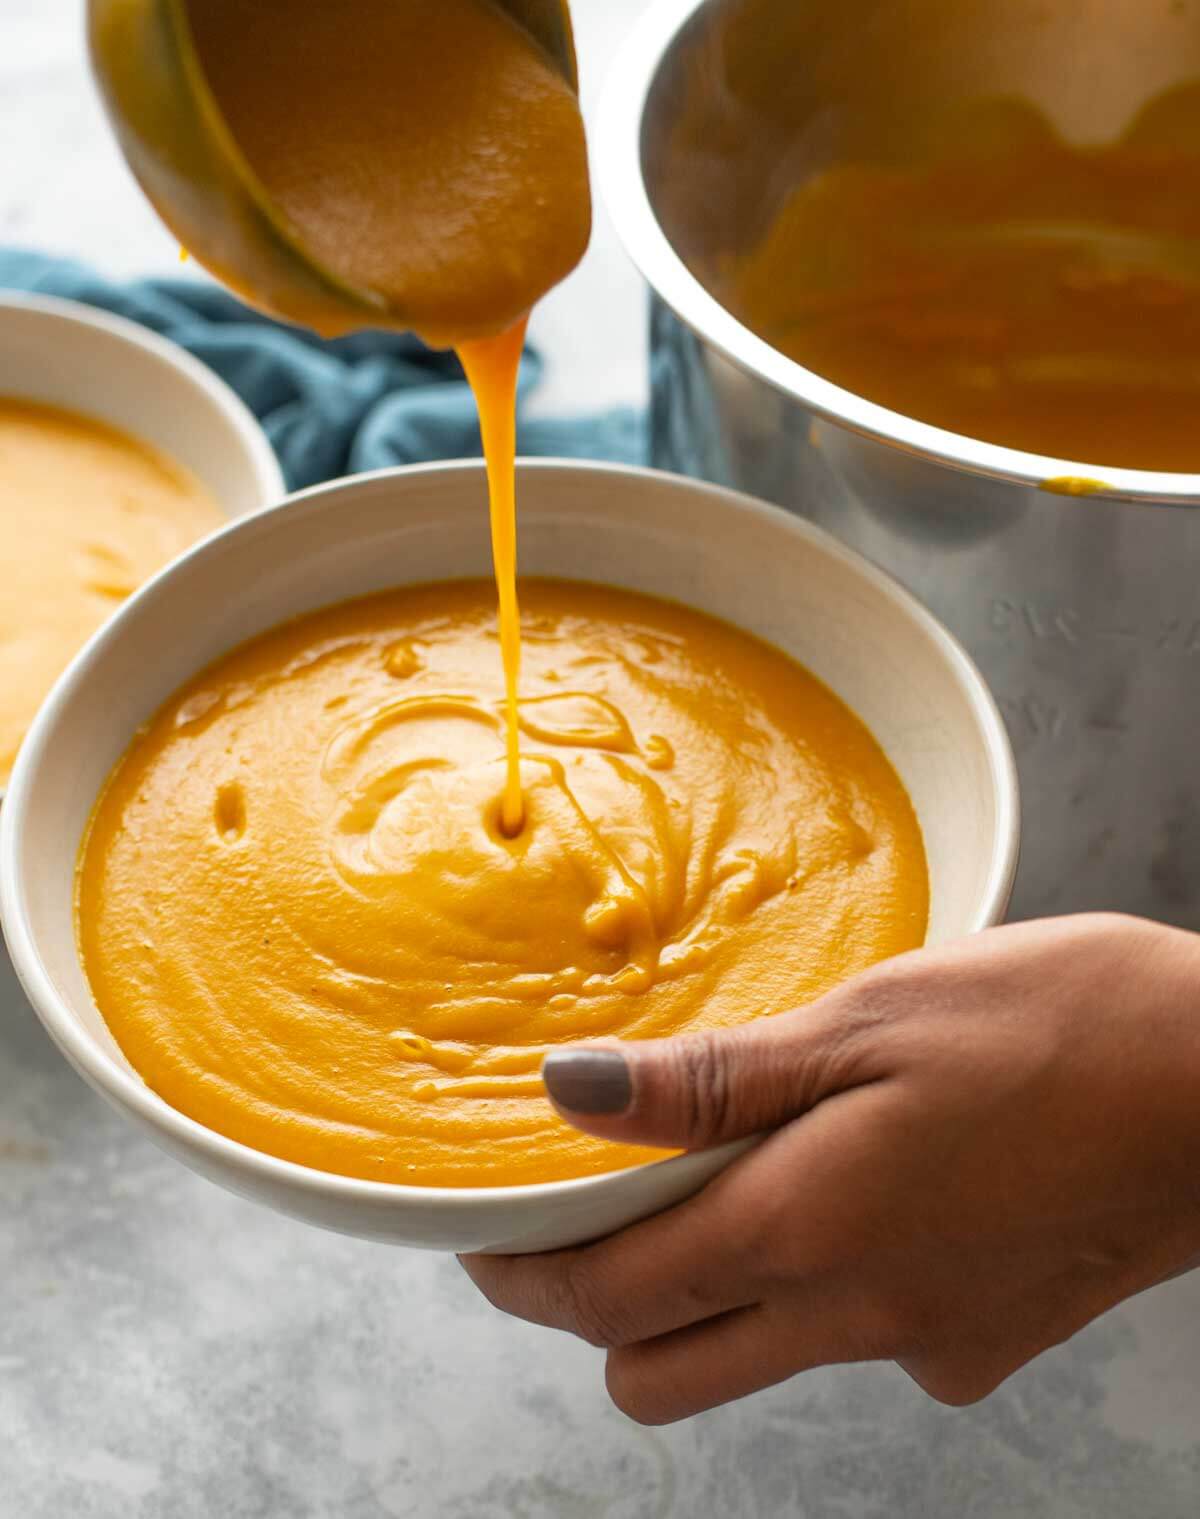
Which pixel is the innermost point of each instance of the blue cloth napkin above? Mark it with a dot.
(329, 408)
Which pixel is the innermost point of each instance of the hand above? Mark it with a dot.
(977, 1150)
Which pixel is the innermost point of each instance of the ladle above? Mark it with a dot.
(181, 151)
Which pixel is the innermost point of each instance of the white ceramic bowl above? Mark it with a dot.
(62, 353)
(751, 564)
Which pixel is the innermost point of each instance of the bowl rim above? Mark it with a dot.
(132, 1094)
(617, 148)
(234, 411)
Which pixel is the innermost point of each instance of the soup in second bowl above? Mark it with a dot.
(88, 513)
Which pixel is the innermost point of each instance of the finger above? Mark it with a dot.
(701, 1089)
(685, 1373)
(679, 1268)
(1176, 1272)
(792, 1206)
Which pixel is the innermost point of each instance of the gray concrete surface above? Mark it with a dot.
(170, 1352)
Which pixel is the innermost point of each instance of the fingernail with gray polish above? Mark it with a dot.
(588, 1081)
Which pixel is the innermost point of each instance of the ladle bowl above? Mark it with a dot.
(183, 155)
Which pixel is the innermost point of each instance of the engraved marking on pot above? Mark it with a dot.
(1032, 717)
(1175, 635)
(1040, 624)
(1037, 718)
(1163, 641)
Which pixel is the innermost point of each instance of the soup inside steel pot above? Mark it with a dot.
(967, 213)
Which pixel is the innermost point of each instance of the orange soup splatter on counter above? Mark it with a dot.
(307, 927)
(88, 513)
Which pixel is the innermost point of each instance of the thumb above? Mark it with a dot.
(698, 1090)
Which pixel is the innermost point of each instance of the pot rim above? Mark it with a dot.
(618, 156)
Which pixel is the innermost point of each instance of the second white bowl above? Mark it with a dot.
(750, 564)
(62, 353)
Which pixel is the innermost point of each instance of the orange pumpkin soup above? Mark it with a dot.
(307, 927)
(1012, 287)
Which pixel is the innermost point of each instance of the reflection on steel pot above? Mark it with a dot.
(1083, 611)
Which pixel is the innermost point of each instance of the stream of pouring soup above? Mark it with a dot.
(435, 157)
(307, 929)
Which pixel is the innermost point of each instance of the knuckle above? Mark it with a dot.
(1109, 938)
(768, 1244)
(593, 1314)
(487, 1280)
(898, 1323)
(968, 1391)
(868, 1010)
(959, 1384)
(875, 996)
(631, 1393)
(1109, 925)
(703, 1081)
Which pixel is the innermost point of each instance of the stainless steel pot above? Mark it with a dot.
(1083, 612)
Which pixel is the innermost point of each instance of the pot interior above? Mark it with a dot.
(755, 96)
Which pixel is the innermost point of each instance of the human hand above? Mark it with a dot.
(976, 1151)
